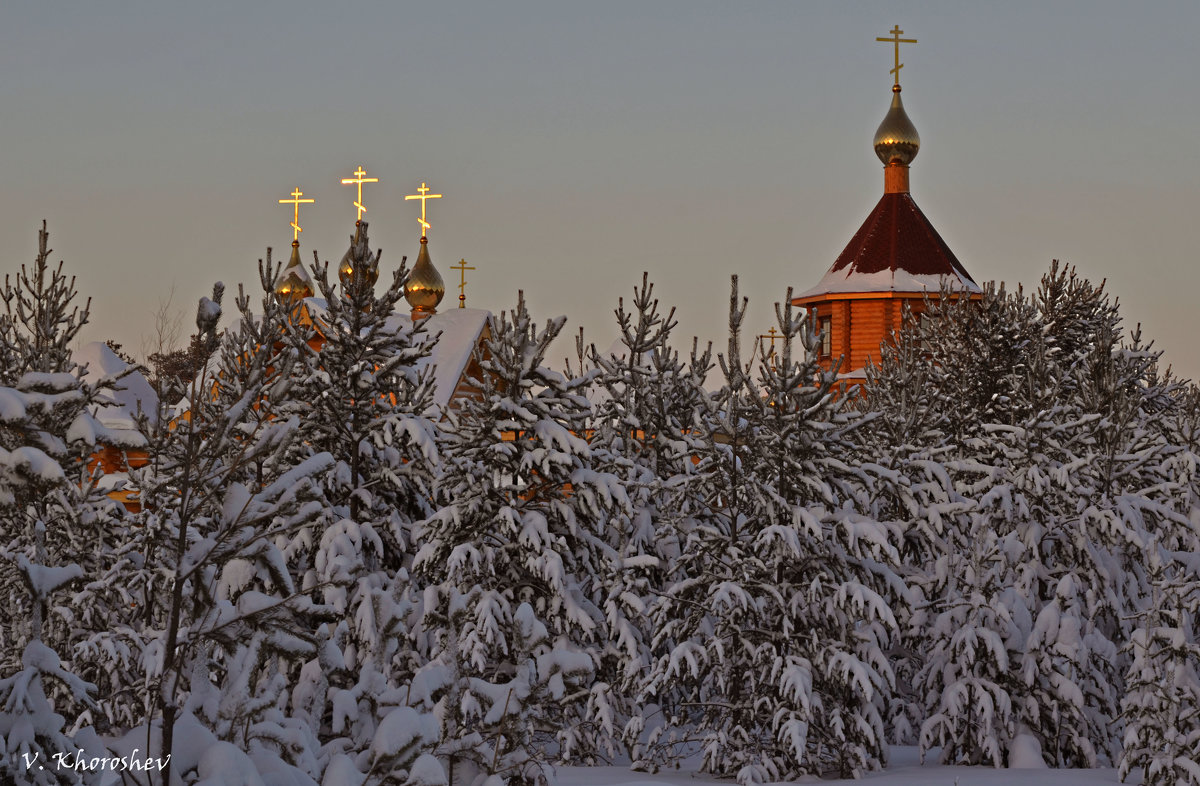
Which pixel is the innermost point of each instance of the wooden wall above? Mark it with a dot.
(860, 324)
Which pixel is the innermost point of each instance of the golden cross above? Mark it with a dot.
(358, 180)
(423, 195)
(897, 40)
(296, 202)
(462, 267)
(771, 334)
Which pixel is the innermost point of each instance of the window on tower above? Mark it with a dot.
(824, 324)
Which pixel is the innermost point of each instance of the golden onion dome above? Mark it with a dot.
(293, 282)
(897, 141)
(356, 262)
(424, 288)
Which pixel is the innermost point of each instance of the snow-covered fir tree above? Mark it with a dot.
(364, 396)
(507, 562)
(1161, 705)
(32, 732)
(1063, 462)
(216, 619)
(1066, 681)
(47, 432)
(56, 528)
(771, 636)
(645, 430)
(973, 633)
(904, 441)
(992, 550)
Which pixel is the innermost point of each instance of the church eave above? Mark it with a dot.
(819, 295)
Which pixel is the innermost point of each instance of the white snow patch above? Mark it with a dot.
(900, 280)
(904, 769)
(223, 764)
(1025, 753)
(427, 771)
(12, 406)
(43, 579)
(133, 392)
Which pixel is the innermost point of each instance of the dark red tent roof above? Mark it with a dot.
(898, 239)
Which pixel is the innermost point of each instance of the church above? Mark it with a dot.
(458, 332)
(894, 261)
(453, 337)
(892, 267)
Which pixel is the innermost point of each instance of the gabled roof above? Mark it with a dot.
(133, 395)
(456, 333)
(895, 250)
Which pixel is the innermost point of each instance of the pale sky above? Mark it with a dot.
(580, 144)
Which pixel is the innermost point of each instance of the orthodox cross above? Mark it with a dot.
(296, 202)
(423, 195)
(897, 40)
(771, 334)
(358, 180)
(462, 267)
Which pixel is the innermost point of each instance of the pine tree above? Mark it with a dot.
(56, 528)
(1063, 452)
(507, 558)
(363, 394)
(367, 397)
(1161, 705)
(47, 432)
(31, 731)
(974, 633)
(211, 592)
(645, 431)
(1065, 690)
(771, 635)
(39, 324)
(904, 443)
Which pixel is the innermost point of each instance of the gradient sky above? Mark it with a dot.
(580, 144)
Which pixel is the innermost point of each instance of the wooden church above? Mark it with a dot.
(895, 259)
(454, 334)
(892, 266)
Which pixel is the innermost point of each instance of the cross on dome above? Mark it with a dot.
(358, 180)
(423, 194)
(296, 202)
(897, 40)
(462, 267)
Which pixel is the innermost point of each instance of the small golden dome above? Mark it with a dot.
(897, 141)
(357, 260)
(293, 282)
(424, 288)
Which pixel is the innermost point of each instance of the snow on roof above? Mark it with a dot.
(846, 281)
(456, 332)
(895, 250)
(133, 392)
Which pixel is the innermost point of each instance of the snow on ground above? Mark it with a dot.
(905, 769)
